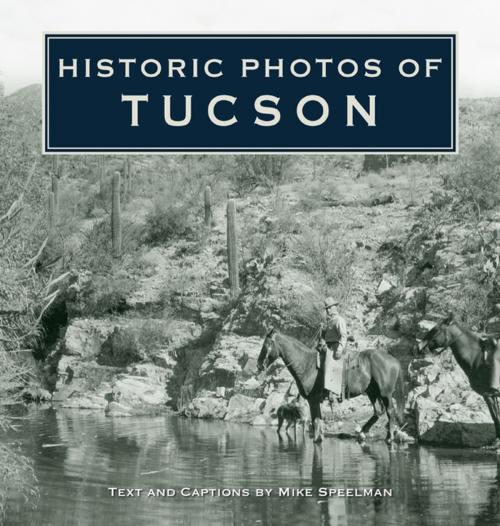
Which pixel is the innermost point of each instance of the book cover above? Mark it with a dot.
(249, 263)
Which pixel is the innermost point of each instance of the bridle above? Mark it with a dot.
(424, 344)
(271, 335)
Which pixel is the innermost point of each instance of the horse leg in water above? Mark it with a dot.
(280, 421)
(316, 419)
(374, 396)
(493, 403)
(391, 417)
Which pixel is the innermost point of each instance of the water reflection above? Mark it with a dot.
(90, 453)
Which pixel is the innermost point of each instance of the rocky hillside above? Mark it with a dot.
(157, 326)
(455, 269)
(180, 328)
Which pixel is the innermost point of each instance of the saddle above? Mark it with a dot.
(350, 365)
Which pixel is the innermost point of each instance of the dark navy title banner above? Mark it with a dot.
(230, 93)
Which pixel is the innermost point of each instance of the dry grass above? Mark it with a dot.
(324, 253)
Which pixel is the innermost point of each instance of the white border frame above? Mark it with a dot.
(452, 150)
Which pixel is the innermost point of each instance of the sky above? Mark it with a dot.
(22, 23)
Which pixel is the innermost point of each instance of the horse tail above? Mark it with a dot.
(400, 396)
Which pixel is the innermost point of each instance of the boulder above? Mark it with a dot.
(157, 375)
(261, 420)
(181, 333)
(88, 385)
(229, 359)
(79, 383)
(116, 409)
(385, 285)
(81, 400)
(250, 387)
(273, 401)
(139, 394)
(84, 337)
(423, 327)
(211, 407)
(164, 359)
(442, 370)
(243, 408)
(452, 426)
(446, 410)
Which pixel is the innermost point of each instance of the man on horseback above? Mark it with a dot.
(331, 349)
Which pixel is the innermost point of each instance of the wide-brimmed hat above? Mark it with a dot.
(330, 302)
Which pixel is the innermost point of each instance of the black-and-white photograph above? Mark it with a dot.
(249, 339)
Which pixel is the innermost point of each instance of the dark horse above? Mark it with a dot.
(377, 373)
(478, 356)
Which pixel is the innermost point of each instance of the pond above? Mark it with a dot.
(80, 456)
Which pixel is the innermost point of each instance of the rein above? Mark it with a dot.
(280, 355)
(314, 337)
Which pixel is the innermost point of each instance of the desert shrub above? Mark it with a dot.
(191, 283)
(475, 176)
(473, 300)
(257, 242)
(95, 253)
(324, 253)
(272, 235)
(151, 336)
(169, 221)
(376, 181)
(183, 178)
(177, 210)
(16, 477)
(110, 283)
(376, 163)
(313, 194)
(305, 312)
(76, 199)
(322, 166)
(23, 286)
(16, 473)
(442, 210)
(120, 349)
(107, 294)
(266, 171)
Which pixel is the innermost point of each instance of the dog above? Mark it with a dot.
(293, 413)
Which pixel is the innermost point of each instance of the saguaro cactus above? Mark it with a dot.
(100, 169)
(52, 211)
(55, 191)
(60, 170)
(55, 164)
(208, 206)
(232, 252)
(127, 178)
(116, 221)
